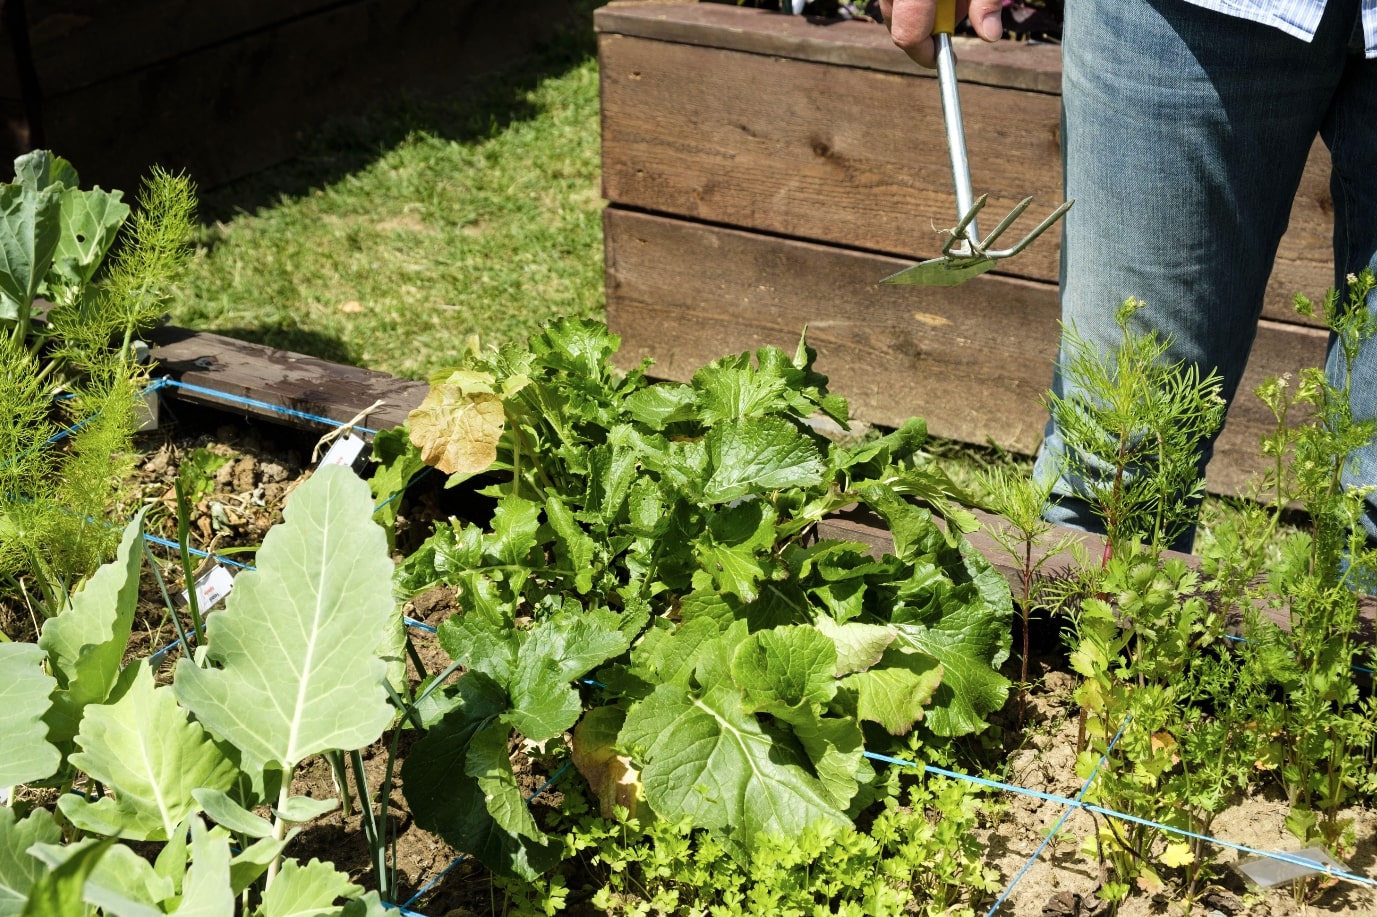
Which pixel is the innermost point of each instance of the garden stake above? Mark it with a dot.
(963, 256)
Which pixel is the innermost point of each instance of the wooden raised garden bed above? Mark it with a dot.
(763, 172)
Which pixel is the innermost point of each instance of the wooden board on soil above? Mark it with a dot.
(278, 385)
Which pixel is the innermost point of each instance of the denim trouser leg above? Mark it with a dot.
(1350, 130)
(1185, 133)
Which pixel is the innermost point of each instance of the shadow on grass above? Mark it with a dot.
(350, 143)
(289, 336)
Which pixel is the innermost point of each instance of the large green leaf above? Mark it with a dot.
(732, 389)
(734, 549)
(489, 762)
(573, 546)
(25, 696)
(39, 169)
(859, 646)
(61, 890)
(707, 759)
(124, 884)
(296, 643)
(86, 642)
(965, 640)
(151, 756)
(836, 748)
(658, 406)
(30, 226)
(535, 666)
(206, 890)
(312, 889)
(956, 609)
(90, 222)
(446, 797)
(758, 455)
(896, 694)
(786, 668)
(18, 869)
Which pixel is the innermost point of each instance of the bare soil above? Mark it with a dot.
(1062, 881)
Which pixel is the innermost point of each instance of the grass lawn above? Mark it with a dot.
(403, 234)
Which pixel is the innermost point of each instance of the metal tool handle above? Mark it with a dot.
(943, 27)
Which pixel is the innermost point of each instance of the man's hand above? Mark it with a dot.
(910, 24)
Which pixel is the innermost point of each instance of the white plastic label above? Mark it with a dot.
(211, 587)
(343, 451)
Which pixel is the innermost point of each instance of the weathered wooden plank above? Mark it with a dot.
(974, 361)
(771, 123)
(803, 149)
(279, 379)
(853, 44)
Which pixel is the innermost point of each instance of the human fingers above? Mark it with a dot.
(910, 25)
(986, 17)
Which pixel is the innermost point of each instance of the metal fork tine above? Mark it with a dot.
(1037, 231)
(958, 232)
(1006, 222)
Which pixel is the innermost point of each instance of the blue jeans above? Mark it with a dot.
(1184, 136)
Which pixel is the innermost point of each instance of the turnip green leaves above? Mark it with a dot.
(772, 659)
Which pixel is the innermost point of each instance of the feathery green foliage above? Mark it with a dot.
(69, 389)
(1136, 440)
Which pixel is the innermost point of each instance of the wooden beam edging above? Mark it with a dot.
(253, 379)
(1008, 64)
(861, 525)
(288, 388)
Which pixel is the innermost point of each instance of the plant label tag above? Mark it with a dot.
(344, 451)
(1267, 872)
(211, 587)
(146, 411)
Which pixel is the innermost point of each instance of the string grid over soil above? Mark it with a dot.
(255, 467)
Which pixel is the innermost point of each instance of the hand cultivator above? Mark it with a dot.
(965, 254)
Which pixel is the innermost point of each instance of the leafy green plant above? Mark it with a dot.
(740, 665)
(1023, 533)
(1184, 722)
(1169, 714)
(918, 857)
(1133, 431)
(1327, 724)
(71, 379)
(1171, 720)
(291, 669)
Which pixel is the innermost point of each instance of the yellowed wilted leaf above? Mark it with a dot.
(457, 428)
(1178, 855)
(612, 777)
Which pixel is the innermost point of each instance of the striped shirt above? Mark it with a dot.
(1294, 17)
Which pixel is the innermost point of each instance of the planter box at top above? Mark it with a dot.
(763, 172)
